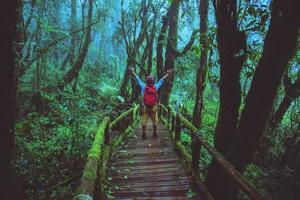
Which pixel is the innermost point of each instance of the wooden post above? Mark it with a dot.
(132, 118)
(173, 123)
(195, 155)
(125, 123)
(178, 128)
(168, 117)
(107, 134)
(121, 125)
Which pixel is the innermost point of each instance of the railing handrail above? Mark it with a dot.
(102, 137)
(196, 134)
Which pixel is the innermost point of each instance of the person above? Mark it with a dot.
(149, 103)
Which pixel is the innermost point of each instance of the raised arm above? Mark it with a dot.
(137, 78)
(133, 73)
(168, 73)
(161, 81)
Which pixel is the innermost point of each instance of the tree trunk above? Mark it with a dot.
(150, 50)
(202, 70)
(232, 56)
(74, 71)
(73, 27)
(279, 45)
(159, 49)
(126, 77)
(170, 55)
(8, 89)
(292, 93)
(132, 48)
(56, 25)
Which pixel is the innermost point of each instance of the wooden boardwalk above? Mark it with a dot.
(149, 169)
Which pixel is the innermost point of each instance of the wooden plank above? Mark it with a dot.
(148, 141)
(149, 157)
(149, 169)
(145, 150)
(136, 155)
(151, 179)
(144, 171)
(147, 174)
(160, 198)
(166, 188)
(154, 191)
(147, 162)
(142, 184)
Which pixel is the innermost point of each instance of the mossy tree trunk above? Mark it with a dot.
(202, 70)
(73, 73)
(73, 27)
(238, 141)
(56, 25)
(170, 55)
(230, 97)
(133, 41)
(160, 46)
(8, 89)
(168, 61)
(279, 46)
(292, 92)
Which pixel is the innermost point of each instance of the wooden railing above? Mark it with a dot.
(94, 177)
(175, 122)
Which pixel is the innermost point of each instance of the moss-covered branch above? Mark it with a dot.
(89, 176)
(120, 117)
(95, 172)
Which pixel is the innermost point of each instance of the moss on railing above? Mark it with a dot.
(238, 178)
(187, 124)
(95, 171)
(89, 176)
(187, 158)
(99, 139)
(121, 117)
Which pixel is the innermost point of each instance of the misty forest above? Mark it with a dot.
(72, 109)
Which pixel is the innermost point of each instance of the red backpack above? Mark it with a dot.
(150, 95)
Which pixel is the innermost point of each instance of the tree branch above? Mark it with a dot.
(137, 63)
(292, 92)
(45, 49)
(189, 45)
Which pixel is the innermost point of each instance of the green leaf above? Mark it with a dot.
(190, 194)
(131, 162)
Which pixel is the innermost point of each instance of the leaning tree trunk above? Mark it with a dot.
(170, 55)
(126, 78)
(74, 71)
(8, 89)
(279, 46)
(232, 56)
(201, 73)
(132, 49)
(73, 27)
(292, 92)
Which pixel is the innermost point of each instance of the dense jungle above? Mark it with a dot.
(67, 64)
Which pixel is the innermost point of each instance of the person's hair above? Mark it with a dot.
(150, 80)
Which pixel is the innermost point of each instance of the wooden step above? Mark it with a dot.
(149, 169)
